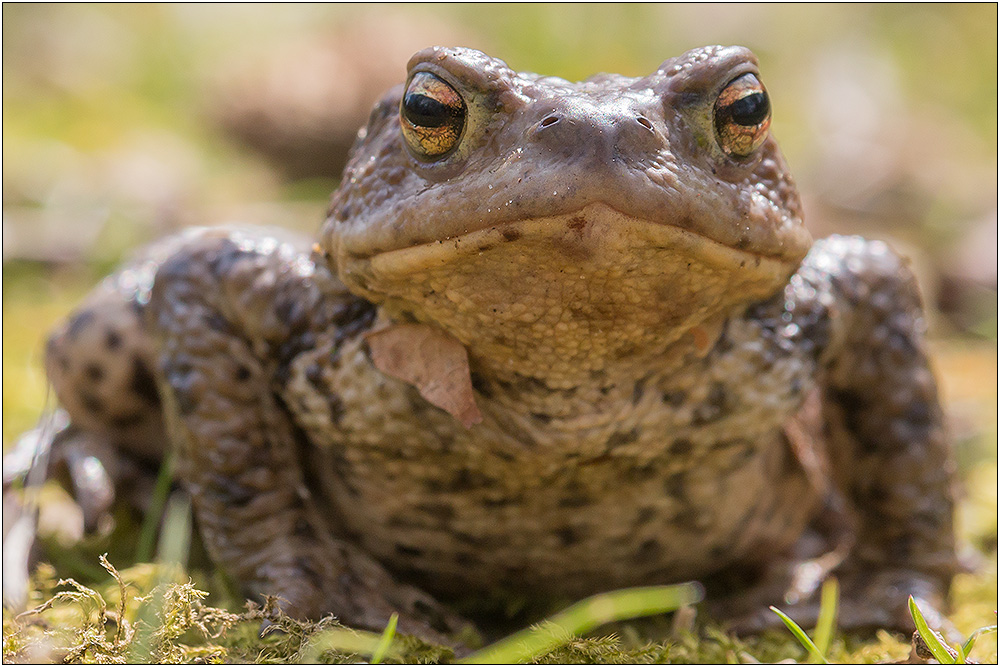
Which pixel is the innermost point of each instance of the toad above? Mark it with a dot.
(555, 338)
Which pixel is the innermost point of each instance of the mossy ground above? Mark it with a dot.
(167, 619)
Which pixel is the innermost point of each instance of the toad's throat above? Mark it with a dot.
(566, 294)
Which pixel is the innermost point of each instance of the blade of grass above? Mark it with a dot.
(157, 504)
(801, 635)
(966, 648)
(930, 638)
(827, 620)
(583, 617)
(386, 641)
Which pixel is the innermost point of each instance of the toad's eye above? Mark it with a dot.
(432, 115)
(742, 116)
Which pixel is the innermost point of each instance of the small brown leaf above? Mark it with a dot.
(434, 362)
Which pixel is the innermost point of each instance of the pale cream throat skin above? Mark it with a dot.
(643, 368)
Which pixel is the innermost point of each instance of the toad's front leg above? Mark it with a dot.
(229, 313)
(884, 430)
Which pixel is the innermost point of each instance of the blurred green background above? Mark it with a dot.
(124, 122)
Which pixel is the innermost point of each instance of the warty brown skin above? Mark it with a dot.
(647, 324)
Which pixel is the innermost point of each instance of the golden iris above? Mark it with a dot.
(742, 116)
(432, 116)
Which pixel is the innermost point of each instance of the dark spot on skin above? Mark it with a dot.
(639, 389)
(854, 408)
(716, 552)
(681, 447)
(918, 413)
(467, 559)
(354, 316)
(501, 502)
(577, 223)
(302, 528)
(543, 418)
(746, 452)
(78, 323)
(714, 407)
(126, 420)
(229, 492)
(724, 445)
(112, 339)
(510, 234)
(217, 322)
(567, 536)
(648, 551)
(466, 538)
(479, 384)
(644, 516)
(642, 473)
(723, 343)
(242, 373)
(603, 458)
(689, 519)
(483, 543)
(484, 247)
(505, 386)
(179, 377)
(527, 383)
(137, 309)
(625, 351)
(91, 403)
(901, 549)
(306, 568)
(468, 480)
(789, 462)
(351, 487)
(619, 439)
(674, 399)
(314, 375)
(93, 372)
(402, 522)
(289, 311)
(408, 551)
(674, 486)
(221, 265)
(576, 497)
(440, 511)
(336, 407)
(143, 384)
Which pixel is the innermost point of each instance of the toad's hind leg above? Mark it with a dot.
(101, 365)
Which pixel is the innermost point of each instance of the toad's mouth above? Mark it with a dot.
(586, 259)
(591, 234)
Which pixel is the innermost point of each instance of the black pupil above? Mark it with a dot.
(750, 110)
(425, 111)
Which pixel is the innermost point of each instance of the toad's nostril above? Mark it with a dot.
(644, 122)
(549, 120)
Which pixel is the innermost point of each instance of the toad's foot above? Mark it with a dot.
(868, 600)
